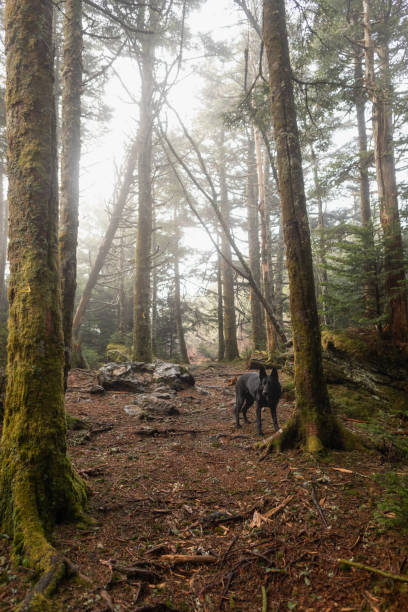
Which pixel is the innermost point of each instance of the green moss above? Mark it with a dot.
(74, 423)
(117, 352)
(353, 402)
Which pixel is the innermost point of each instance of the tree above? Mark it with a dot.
(380, 91)
(71, 151)
(142, 339)
(257, 326)
(37, 482)
(314, 425)
(230, 327)
(119, 204)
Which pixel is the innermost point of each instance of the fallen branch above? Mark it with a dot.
(137, 572)
(373, 570)
(177, 559)
(167, 432)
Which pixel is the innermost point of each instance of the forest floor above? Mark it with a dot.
(261, 535)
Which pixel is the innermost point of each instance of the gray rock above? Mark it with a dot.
(126, 376)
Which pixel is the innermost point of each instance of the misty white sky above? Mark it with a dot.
(102, 156)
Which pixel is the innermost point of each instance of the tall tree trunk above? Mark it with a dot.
(117, 211)
(71, 152)
(271, 337)
(371, 288)
(220, 311)
(177, 303)
(280, 264)
(121, 290)
(314, 424)
(3, 237)
(37, 483)
(322, 241)
(142, 341)
(380, 91)
(257, 320)
(230, 326)
(155, 316)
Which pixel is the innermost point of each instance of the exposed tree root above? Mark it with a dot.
(37, 600)
(313, 438)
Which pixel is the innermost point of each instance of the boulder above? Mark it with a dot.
(137, 376)
(125, 376)
(172, 374)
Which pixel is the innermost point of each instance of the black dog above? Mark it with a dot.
(263, 389)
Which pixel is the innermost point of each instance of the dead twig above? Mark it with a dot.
(373, 570)
(177, 559)
(318, 506)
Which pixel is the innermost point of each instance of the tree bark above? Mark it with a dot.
(220, 311)
(230, 326)
(142, 340)
(177, 298)
(380, 91)
(314, 424)
(3, 238)
(71, 152)
(371, 289)
(271, 336)
(322, 242)
(37, 482)
(117, 211)
(257, 320)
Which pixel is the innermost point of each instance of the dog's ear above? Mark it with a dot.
(262, 372)
(274, 373)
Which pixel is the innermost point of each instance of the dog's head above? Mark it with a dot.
(268, 383)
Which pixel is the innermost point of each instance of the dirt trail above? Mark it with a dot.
(265, 531)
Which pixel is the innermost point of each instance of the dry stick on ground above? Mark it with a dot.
(318, 506)
(177, 559)
(373, 570)
(245, 272)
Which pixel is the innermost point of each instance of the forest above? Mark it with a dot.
(204, 212)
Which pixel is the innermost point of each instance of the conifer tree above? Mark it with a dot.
(37, 483)
(314, 425)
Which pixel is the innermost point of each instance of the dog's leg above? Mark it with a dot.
(258, 417)
(238, 406)
(274, 416)
(247, 405)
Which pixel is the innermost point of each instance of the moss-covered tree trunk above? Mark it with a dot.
(142, 341)
(230, 326)
(37, 483)
(3, 237)
(257, 320)
(71, 152)
(380, 91)
(271, 335)
(313, 425)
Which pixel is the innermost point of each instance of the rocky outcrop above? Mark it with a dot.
(139, 377)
